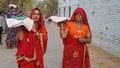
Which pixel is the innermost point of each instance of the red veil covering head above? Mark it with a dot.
(71, 43)
(83, 13)
(41, 27)
(29, 37)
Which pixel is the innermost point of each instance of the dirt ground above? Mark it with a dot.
(102, 59)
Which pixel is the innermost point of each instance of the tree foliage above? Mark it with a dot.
(49, 7)
(2, 4)
(23, 4)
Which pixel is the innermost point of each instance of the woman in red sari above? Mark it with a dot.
(75, 35)
(32, 44)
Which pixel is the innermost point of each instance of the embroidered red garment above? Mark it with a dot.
(74, 55)
(42, 28)
(29, 42)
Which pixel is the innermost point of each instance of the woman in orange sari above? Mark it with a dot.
(75, 34)
(32, 44)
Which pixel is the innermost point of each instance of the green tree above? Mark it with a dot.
(2, 4)
(52, 6)
(49, 7)
(23, 4)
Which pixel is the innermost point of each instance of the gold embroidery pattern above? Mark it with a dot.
(28, 40)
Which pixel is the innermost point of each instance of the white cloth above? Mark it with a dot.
(27, 22)
(56, 19)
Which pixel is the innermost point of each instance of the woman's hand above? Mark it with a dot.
(80, 39)
(39, 35)
(19, 57)
(83, 39)
(30, 59)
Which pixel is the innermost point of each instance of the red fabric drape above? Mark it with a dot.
(42, 28)
(83, 13)
(29, 42)
(71, 46)
(73, 56)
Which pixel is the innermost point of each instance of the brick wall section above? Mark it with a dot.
(104, 19)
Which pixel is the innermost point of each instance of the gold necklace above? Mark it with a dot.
(79, 31)
(79, 27)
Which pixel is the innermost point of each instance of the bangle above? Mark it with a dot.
(62, 29)
(20, 58)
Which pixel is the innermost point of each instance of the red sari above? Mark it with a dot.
(31, 43)
(75, 53)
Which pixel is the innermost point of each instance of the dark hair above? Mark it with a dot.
(0, 12)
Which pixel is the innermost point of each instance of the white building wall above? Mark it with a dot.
(66, 4)
(104, 21)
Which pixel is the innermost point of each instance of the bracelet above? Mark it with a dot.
(62, 29)
(20, 58)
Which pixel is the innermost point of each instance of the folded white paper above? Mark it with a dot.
(27, 22)
(56, 19)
